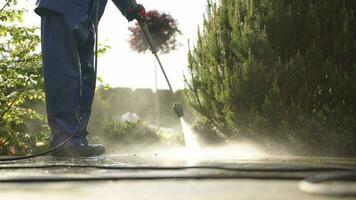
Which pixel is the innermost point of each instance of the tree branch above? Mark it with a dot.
(6, 4)
(13, 102)
(200, 107)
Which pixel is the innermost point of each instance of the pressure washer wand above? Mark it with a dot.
(177, 107)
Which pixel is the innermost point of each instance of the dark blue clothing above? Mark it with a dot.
(77, 9)
(68, 33)
(67, 49)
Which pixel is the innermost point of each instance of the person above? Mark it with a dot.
(67, 42)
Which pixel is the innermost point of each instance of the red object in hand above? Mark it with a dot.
(142, 12)
(139, 13)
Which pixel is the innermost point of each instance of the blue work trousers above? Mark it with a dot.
(69, 75)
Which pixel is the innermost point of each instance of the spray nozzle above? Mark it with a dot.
(178, 109)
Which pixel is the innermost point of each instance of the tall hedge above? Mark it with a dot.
(284, 70)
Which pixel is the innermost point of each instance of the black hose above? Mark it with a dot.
(235, 173)
(39, 154)
(164, 168)
(145, 177)
(337, 176)
(313, 184)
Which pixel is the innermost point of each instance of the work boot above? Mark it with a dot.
(79, 150)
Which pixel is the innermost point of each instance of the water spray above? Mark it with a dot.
(177, 107)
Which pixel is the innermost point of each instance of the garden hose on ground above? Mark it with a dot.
(313, 185)
(39, 154)
(67, 139)
(164, 168)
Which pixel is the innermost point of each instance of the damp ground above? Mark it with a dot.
(163, 176)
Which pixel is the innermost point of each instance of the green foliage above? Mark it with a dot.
(129, 133)
(279, 69)
(21, 126)
(206, 132)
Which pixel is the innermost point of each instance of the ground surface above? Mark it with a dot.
(156, 176)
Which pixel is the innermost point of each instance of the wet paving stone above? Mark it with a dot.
(158, 176)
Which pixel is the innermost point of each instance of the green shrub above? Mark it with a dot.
(207, 133)
(21, 83)
(278, 69)
(129, 133)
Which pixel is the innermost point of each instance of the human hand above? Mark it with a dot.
(139, 13)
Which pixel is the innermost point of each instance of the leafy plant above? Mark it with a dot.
(129, 133)
(21, 126)
(164, 31)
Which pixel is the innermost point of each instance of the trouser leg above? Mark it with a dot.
(66, 55)
(88, 75)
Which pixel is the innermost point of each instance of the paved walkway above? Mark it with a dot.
(164, 176)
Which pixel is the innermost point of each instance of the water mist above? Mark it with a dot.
(190, 139)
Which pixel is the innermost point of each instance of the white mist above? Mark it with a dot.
(190, 139)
